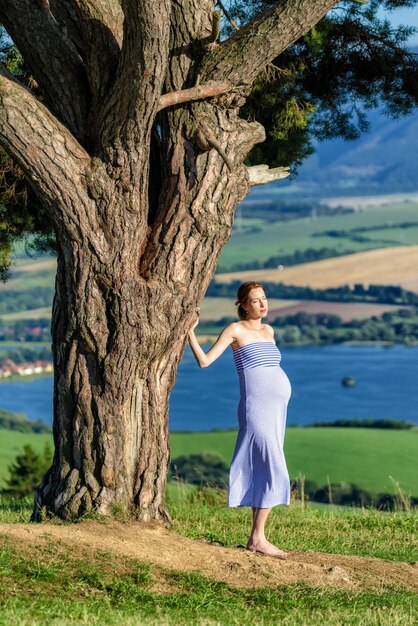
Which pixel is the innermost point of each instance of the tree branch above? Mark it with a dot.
(101, 24)
(243, 55)
(65, 13)
(199, 92)
(262, 174)
(48, 155)
(137, 88)
(51, 58)
(228, 17)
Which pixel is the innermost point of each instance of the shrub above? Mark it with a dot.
(201, 469)
(20, 423)
(27, 471)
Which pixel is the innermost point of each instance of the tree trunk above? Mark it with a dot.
(119, 329)
(136, 254)
(113, 373)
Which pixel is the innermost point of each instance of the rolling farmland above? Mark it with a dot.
(386, 266)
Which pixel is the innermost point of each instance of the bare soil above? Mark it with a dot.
(237, 566)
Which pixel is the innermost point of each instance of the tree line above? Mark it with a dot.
(287, 260)
(322, 328)
(19, 422)
(34, 298)
(26, 330)
(205, 470)
(210, 470)
(273, 211)
(383, 294)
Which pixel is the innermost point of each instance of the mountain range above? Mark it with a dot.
(383, 160)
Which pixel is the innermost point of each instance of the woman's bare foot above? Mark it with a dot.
(265, 547)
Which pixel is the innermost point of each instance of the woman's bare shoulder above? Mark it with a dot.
(270, 329)
(234, 328)
(234, 331)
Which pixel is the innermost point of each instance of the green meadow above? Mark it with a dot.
(251, 242)
(366, 457)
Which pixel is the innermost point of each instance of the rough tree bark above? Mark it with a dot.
(137, 151)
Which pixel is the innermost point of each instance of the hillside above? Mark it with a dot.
(234, 565)
(383, 160)
(386, 266)
(378, 454)
(343, 567)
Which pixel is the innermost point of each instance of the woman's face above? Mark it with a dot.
(257, 304)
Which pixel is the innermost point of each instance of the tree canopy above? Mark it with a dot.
(320, 87)
(323, 85)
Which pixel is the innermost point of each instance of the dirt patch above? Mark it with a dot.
(236, 566)
(346, 310)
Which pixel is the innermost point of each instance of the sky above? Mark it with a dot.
(408, 17)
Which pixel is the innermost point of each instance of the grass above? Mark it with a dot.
(366, 457)
(202, 514)
(58, 584)
(285, 237)
(64, 589)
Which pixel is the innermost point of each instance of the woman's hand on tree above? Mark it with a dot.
(196, 322)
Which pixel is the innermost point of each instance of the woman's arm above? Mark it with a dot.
(204, 359)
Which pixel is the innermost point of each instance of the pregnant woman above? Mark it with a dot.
(258, 475)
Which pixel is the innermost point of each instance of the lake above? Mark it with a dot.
(203, 399)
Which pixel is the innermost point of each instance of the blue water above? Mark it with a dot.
(203, 399)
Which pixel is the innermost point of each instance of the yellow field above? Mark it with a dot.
(386, 266)
(38, 265)
(31, 314)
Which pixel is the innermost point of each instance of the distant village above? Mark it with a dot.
(10, 368)
(25, 331)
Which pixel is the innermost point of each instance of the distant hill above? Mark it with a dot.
(383, 160)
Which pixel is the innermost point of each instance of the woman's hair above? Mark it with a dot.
(242, 296)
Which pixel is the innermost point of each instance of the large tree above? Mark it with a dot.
(130, 137)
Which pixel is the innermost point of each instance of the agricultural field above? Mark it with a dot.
(347, 311)
(262, 241)
(387, 256)
(27, 274)
(386, 266)
(216, 308)
(30, 314)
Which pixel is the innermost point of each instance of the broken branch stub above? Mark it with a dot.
(261, 174)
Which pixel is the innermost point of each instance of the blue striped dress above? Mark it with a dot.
(258, 474)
